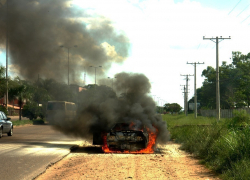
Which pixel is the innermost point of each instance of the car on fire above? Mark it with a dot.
(5, 125)
(126, 136)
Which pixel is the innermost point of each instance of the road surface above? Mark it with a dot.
(168, 162)
(30, 150)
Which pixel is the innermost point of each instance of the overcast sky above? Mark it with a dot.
(166, 34)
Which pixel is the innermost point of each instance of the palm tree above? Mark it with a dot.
(21, 90)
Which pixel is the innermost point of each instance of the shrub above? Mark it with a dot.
(2, 108)
(224, 147)
(239, 170)
(240, 120)
(32, 111)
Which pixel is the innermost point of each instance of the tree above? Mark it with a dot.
(172, 107)
(22, 90)
(31, 110)
(234, 84)
(57, 91)
(242, 65)
(40, 95)
(2, 81)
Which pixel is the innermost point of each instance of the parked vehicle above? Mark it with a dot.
(60, 111)
(5, 125)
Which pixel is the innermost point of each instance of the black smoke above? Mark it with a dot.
(101, 107)
(37, 29)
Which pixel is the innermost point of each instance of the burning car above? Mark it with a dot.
(127, 136)
(130, 137)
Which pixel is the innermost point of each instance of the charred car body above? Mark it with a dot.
(127, 137)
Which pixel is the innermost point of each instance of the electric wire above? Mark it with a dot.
(198, 46)
(245, 19)
(243, 10)
(234, 7)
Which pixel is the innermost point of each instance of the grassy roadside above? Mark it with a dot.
(223, 147)
(180, 120)
(24, 122)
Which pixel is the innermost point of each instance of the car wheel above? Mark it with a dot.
(1, 132)
(10, 133)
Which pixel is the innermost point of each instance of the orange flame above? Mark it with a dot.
(148, 150)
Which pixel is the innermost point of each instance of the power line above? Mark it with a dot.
(245, 19)
(243, 10)
(198, 46)
(234, 7)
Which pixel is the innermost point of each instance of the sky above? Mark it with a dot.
(166, 34)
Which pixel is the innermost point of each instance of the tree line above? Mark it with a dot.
(33, 94)
(234, 81)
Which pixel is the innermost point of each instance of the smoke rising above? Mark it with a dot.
(37, 29)
(101, 108)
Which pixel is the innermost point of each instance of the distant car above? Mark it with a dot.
(127, 137)
(5, 125)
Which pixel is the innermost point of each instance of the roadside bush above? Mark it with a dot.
(2, 108)
(196, 139)
(32, 111)
(239, 170)
(240, 120)
(223, 147)
(229, 149)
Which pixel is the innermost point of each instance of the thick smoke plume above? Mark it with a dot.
(37, 28)
(101, 108)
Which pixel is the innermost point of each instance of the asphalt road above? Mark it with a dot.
(30, 150)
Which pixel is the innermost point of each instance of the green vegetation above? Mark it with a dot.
(182, 119)
(31, 110)
(223, 147)
(34, 95)
(2, 108)
(172, 107)
(24, 122)
(234, 84)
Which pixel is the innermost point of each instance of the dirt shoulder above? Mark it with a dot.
(88, 162)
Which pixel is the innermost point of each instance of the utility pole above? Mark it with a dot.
(84, 78)
(216, 40)
(187, 92)
(95, 72)
(195, 92)
(161, 102)
(7, 53)
(158, 103)
(112, 80)
(184, 98)
(68, 59)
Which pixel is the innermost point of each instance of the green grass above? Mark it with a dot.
(24, 122)
(222, 146)
(180, 120)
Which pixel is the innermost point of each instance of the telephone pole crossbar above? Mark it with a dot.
(195, 92)
(216, 40)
